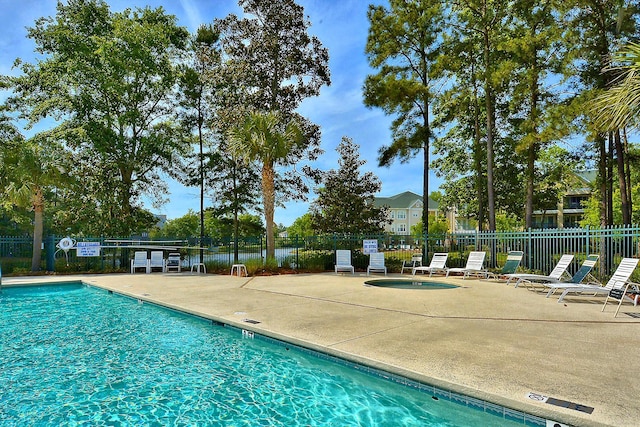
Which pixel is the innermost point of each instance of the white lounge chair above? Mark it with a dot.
(140, 260)
(438, 264)
(474, 266)
(617, 281)
(173, 262)
(376, 263)
(556, 274)
(156, 261)
(416, 261)
(343, 261)
(584, 272)
(510, 266)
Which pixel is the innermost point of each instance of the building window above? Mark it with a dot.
(575, 202)
(393, 214)
(402, 215)
(416, 214)
(402, 228)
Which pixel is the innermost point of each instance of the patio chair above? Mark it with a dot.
(157, 261)
(140, 261)
(376, 263)
(173, 262)
(583, 273)
(474, 265)
(630, 292)
(437, 265)
(416, 261)
(510, 266)
(343, 261)
(556, 274)
(618, 281)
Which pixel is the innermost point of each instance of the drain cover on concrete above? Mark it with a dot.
(560, 402)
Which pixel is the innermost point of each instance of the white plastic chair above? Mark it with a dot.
(343, 261)
(173, 263)
(140, 260)
(376, 263)
(156, 261)
(416, 261)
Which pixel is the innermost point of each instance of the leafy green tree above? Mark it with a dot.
(108, 80)
(265, 139)
(596, 29)
(536, 57)
(403, 44)
(271, 64)
(617, 108)
(272, 56)
(345, 200)
(222, 227)
(301, 227)
(180, 228)
(482, 22)
(196, 94)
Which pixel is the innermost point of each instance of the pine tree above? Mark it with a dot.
(345, 202)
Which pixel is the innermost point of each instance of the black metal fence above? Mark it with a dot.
(542, 249)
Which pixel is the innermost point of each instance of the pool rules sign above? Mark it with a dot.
(88, 249)
(369, 246)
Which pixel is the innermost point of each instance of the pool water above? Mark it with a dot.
(77, 355)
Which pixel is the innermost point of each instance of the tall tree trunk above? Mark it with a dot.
(268, 196)
(622, 179)
(609, 161)
(477, 154)
(534, 146)
(532, 152)
(236, 208)
(627, 172)
(38, 226)
(490, 122)
(602, 179)
(200, 121)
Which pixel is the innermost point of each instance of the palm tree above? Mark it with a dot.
(264, 138)
(619, 106)
(32, 169)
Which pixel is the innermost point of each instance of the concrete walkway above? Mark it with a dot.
(483, 339)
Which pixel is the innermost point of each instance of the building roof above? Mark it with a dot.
(404, 200)
(585, 180)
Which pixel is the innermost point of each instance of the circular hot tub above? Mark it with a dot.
(408, 284)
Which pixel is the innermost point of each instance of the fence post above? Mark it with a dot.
(51, 252)
(530, 255)
(297, 258)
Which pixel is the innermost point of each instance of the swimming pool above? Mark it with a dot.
(77, 355)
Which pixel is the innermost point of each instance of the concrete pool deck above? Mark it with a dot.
(484, 339)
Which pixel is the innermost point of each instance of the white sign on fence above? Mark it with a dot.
(87, 249)
(369, 246)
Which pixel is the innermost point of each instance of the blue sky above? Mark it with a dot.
(342, 27)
